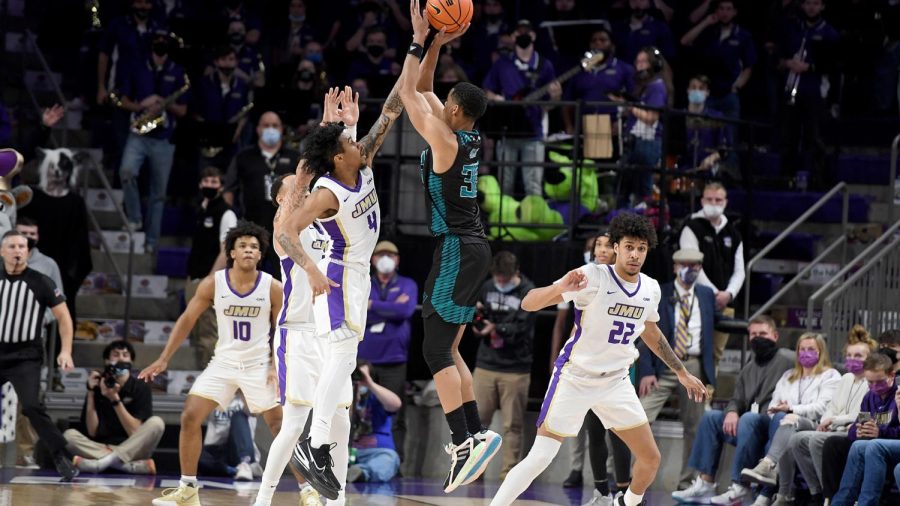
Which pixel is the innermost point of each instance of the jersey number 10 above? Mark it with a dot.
(241, 330)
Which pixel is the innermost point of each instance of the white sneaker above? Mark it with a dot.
(762, 500)
(257, 470)
(698, 493)
(599, 500)
(765, 473)
(462, 461)
(736, 494)
(243, 473)
(491, 442)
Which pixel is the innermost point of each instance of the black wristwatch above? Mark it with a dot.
(115, 402)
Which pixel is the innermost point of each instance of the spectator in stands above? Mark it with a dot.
(155, 87)
(878, 373)
(644, 128)
(237, 10)
(843, 409)
(887, 68)
(252, 173)
(250, 63)
(222, 103)
(687, 316)
(710, 231)
(486, 33)
(874, 440)
(228, 446)
(214, 219)
(889, 341)
(376, 458)
(296, 32)
(124, 43)
(798, 403)
(708, 140)
(375, 66)
(564, 43)
(377, 14)
(503, 367)
(392, 302)
(744, 422)
(37, 260)
(523, 131)
(612, 77)
(641, 29)
(295, 93)
(808, 55)
(727, 54)
(117, 416)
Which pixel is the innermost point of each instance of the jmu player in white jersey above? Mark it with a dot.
(246, 301)
(299, 354)
(614, 306)
(345, 204)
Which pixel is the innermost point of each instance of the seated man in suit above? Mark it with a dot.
(687, 315)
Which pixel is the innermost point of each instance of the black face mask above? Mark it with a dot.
(226, 71)
(33, 243)
(523, 40)
(306, 75)
(642, 74)
(813, 19)
(890, 352)
(142, 14)
(160, 48)
(209, 193)
(375, 50)
(763, 349)
(492, 18)
(639, 13)
(236, 38)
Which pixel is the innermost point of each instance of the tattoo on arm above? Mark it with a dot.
(666, 354)
(293, 248)
(393, 106)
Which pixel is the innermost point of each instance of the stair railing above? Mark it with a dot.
(30, 41)
(892, 188)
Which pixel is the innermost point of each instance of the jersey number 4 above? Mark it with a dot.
(470, 177)
(241, 330)
(625, 330)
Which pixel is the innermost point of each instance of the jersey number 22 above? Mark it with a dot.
(626, 330)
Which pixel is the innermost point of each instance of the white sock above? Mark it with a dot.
(190, 481)
(632, 499)
(303, 486)
(292, 422)
(525, 472)
(328, 392)
(738, 487)
(109, 461)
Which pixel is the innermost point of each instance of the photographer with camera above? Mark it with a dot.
(372, 417)
(121, 433)
(503, 368)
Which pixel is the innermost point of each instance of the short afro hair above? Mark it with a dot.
(245, 229)
(632, 225)
(471, 99)
(121, 344)
(322, 144)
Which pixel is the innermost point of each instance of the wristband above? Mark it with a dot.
(115, 402)
(416, 50)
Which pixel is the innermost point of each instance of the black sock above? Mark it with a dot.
(456, 419)
(602, 487)
(622, 489)
(473, 421)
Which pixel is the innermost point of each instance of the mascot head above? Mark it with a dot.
(59, 170)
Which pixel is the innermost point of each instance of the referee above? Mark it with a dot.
(25, 294)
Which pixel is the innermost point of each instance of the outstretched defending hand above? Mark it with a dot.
(419, 23)
(330, 107)
(153, 370)
(349, 112)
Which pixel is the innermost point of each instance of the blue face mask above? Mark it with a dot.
(696, 97)
(505, 288)
(688, 275)
(314, 57)
(363, 390)
(270, 136)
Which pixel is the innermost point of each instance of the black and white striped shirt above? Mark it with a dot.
(23, 300)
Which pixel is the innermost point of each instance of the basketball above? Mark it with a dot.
(452, 14)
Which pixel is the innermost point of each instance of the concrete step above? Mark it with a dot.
(880, 210)
(141, 264)
(109, 306)
(90, 354)
(879, 192)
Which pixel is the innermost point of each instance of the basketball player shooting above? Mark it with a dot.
(449, 169)
(614, 305)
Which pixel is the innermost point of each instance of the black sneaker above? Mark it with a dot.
(305, 462)
(620, 500)
(575, 480)
(325, 463)
(462, 461)
(64, 466)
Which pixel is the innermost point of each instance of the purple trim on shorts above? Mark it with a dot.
(338, 241)
(282, 367)
(287, 265)
(359, 179)
(615, 276)
(336, 297)
(560, 362)
(228, 282)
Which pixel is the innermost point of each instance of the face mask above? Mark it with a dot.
(227, 71)
(643, 75)
(31, 243)
(142, 14)
(363, 390)
(375, 50)
(314, 57)
(880, 388)
(160, 48)
(523, 40)
(492, 18)
(854, 366)
(587, 258)
(890, 352)
(122, 368)
(236, 38)
(504, 289)
(270, 136)
(297, 19)
(712, 212)
(306, 76)
(385, 265)
(688, 275)
(813, 19)
(808, 358)
(209, 193)
(638, 13)
(763, 349)
(696, 96)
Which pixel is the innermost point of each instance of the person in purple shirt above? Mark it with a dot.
(250, 63)
(864, 474)
(707, 139)
(521, 137)
(640, 29)
(373, 65)
(373, 444)
(727, 54)
(146, 87)
(124, 40)
(613, 76)
(220, 99)
(392, 303)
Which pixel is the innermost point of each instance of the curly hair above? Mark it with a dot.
(859, 335)
(471, 99)
(245, 229)
(322, 144)
(632, 225)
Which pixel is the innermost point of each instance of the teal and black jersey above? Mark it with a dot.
(452, 195)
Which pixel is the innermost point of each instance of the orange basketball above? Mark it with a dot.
(452, 14)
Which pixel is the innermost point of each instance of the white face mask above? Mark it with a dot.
(385, 265)
(587, 257)
(712, 212)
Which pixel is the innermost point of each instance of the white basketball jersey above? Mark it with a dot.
(244, 319)
(297, 306)
(609, 318)
(354, 229)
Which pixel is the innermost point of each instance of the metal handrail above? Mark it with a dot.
(895, 151)
(870, 262)
(862, 257)
(32, 42)
(840, 187)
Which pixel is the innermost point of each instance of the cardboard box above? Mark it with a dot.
(158, 333)
(118, 241)
(151, 286)
(180, 382)
(99, 199)
(76, 379)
